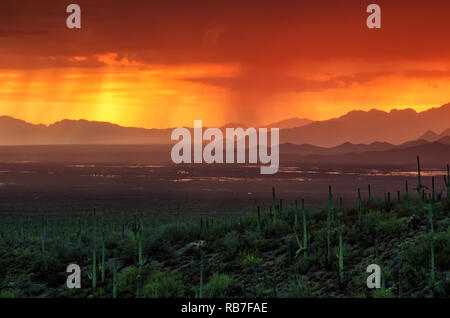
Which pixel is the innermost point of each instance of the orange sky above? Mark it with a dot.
(165, 63)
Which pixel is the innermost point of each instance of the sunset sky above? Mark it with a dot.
(164, 63)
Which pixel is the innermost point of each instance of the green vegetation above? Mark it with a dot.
(271, 252)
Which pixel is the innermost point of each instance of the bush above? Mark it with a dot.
(161, 285)
(219, 285)
(393, 226)
(370, 222)
(231, 243)
(250, 262)
(11, 293)
(306, 263)
(299, 288)
(277, 228)
(253, 239)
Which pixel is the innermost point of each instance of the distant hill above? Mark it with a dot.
(356, 131)
(444, 140)
(290, 123)
(434, 154)
(432, 136)
(18, 132)
(307, 149)
(365, 127)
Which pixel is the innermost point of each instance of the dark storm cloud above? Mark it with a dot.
(266, 33)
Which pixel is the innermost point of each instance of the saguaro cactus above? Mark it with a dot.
(258, 220)
(359, 208)
(305, 231)
(43, 235)
(433, 193)
(303, 247)
(447, 182)
(432, 244)
(141, 261)
(274, 205)
(202, 273)
(420, 186)
(340, 256)
(114, 278)
(296, 215)
(330, 203)
(101, 264)
(329, 216)
(406, 189)
(93, 274)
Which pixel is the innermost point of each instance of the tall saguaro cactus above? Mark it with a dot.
(359, 208)
(432, 244)
(43, 234)
(340, 256)
(101, 264)
(274, 205)
(93, 274)
(141, 260)
(329, 219)
(433, 193)
(447, 182)
(330, 203)
(420, 186)
(202, 274)
(114, 278)
(305, 232)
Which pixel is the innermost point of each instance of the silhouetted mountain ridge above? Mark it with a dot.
(357, 127)
(361, 127)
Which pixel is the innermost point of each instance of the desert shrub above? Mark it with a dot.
(442, 250)
(45, 264)
(36, 289)
(370, 222)
(11, 293)
(218, 229)
(350, 216)
(231, 243)
(383, 293)
(161, 285)
(253, 239)
(258, 289)
(72, 251)
(403, 209)
(219, 285)
(299, 288)
(393, 226)
(250, 261)
(127, 280)
(288, 214)
(306, 263)
(180, 231)
(416, 261)
(277, 228)
(127, 250)
(442, 288)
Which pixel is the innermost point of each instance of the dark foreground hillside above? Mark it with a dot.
(282, 251)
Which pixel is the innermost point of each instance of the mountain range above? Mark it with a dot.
(365, 127)
(432, 136)
(364, 130)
